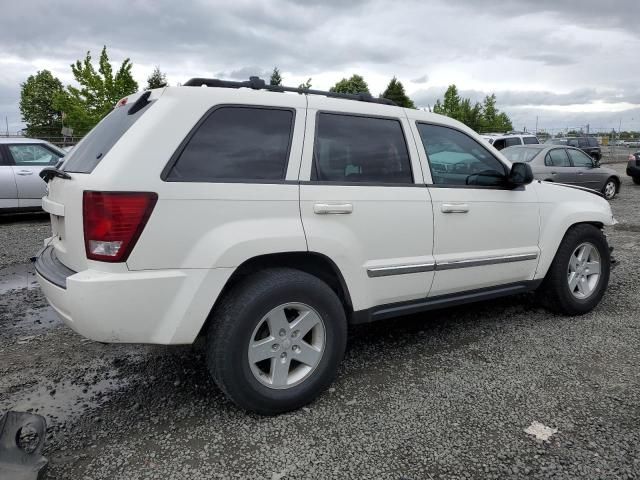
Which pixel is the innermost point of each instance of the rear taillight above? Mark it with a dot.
(113, 222)
(632, 157)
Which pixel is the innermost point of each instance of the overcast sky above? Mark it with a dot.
(567, 62)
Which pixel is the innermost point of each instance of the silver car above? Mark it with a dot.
(563, 164)
(21, 159)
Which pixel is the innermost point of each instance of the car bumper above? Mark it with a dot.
(150, 306)
(633, 170)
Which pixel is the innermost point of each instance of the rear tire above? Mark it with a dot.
(636, 180)
(262, 310)
(571, 286)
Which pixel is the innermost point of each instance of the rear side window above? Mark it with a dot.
(530, 140)
(351, 148)
(510, 142)
(499, 144)
(593, 142)
(97, 143)
(236, 144)
(557, 158)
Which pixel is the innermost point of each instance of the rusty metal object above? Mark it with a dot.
(22, 437)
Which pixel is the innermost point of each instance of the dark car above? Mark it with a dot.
(588, 145)
(633, 167)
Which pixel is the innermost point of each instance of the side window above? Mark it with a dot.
(530, 140)
(33, 155)
(237, 143)
(593, 142)
(579, 158)
(457, 159)
(557, 158)
(583, 142)
(510, 142)
(572, 142)
(499, 144)
(351, 148)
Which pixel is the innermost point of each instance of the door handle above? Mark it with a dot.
(24, 172)
(332, 208)
(454, 208)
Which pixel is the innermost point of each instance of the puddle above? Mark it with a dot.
(16, 277)
(34, 321)
(67, 401)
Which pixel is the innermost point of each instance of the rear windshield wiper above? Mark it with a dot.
(48, 173)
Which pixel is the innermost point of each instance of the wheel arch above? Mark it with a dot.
(313, 263)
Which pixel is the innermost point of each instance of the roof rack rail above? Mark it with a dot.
(257, 83)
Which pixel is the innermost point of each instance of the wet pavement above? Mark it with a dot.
(501, 389)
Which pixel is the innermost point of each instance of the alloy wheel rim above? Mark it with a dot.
(609, 190)
(583, 273)
(287, 345)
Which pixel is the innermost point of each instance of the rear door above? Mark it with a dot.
(558, 166)
(8, 188)
(363, 201)
(28, 160)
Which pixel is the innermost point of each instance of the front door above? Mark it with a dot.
(363, 200)
(485, 233)
(586, 175)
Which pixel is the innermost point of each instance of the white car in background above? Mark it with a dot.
(511, 139)
(21, 159)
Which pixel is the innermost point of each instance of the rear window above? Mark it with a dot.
(530, 140)
(97, 143)
(237, 144)
(510, 142)
(521, 154)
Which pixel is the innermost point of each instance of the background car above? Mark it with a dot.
(633, 167)
(503, 140)
(21, 159)
(588, 145)
(563, 164)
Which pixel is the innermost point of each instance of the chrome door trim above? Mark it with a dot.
(375, 272)
(477, 262)
(400, 269)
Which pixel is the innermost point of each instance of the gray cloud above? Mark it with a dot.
(529, 54)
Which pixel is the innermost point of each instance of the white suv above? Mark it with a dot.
(271, 221)
(504, 140)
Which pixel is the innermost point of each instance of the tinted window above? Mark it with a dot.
(96, 144)
(593, 142)
(572, 142)
(457, 159)
(237, 143)
(583, 142)
(557, 158)
(360, 149)
(510, 142)
(579, 159)
(499, 144)
(530, 140)
(521, 154)
(33, 155)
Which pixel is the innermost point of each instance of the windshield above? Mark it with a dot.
(520, 154)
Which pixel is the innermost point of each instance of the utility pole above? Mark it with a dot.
(6, 122)
(536, 124)
(619, 128)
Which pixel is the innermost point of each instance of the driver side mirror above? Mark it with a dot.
(520, 174)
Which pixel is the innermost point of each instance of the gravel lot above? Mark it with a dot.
(441, 395)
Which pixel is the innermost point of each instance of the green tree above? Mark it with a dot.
(355, 84)
(503, 123)
(276, 78)
(490, 114)
(471, 116)
(156, 80)
(37, 104)
(306, 85)
(97, 94)
(395, 92)
(451, 102)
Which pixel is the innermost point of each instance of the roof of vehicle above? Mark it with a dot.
(5, 140)
(509, 134)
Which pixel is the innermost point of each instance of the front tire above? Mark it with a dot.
(579, 273)
(276, 340)
(610, 189)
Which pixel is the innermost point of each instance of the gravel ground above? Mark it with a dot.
(446, 394)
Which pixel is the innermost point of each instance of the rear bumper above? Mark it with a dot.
(150, 306)
(633, 170)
